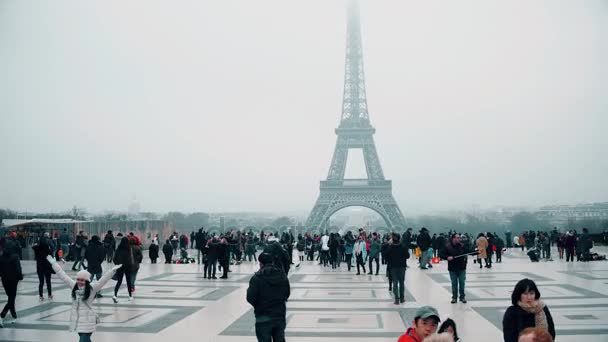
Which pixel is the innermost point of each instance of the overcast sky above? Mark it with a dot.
(231, 105)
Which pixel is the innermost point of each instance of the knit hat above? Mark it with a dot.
(83, 274)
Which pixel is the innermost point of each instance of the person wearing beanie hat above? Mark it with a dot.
(83, 318)
(425, 324)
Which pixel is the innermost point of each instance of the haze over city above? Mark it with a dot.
(232, 105)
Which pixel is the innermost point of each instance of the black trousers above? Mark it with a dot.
(209, 268)
(272, 331)
(168, 258)
(11, 292)
(371, 266)
(349, 258)
(360, 262)
(41, 279)
(569, 254)
(398, 279)
(119, 275)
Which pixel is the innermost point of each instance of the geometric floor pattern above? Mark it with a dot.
(174, 302)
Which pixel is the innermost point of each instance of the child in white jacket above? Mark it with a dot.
(83, 318)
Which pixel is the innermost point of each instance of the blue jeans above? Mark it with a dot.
(397, 275)
(458, 279)
(424, 258)
(85, 337)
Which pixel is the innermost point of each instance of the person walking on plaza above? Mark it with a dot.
(268, 292)
(360, 254)
(570, 244)
(83, 318)
(455, 254)
(500, 245)
(482, 247)
(396, 256)
(64, 243)
(426, 320)
(42, 249)
(109, 245)
(95, 255)
(168, 251)
(79, 250)
(424, 243)
(153, 251)
(200, 243)
(527, 311)
(124, 256)
(212, 256)
(374, 254)
(11, 275)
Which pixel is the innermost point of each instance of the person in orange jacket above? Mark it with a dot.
(425, 323)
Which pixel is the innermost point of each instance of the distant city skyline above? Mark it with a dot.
(231, 106)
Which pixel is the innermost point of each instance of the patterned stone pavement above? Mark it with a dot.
(174, 301)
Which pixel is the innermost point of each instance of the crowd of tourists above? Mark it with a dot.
(528, 318)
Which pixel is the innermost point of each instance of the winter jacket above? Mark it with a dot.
(482, 247)
(396, 256)
(409, 336)
(360, 249)
(517, 319)
(95, 255)
(168, 249)
(83, 318)
(41, 251)
(348, 248)
(128, 258)
(268, 291)
(64, 238)
(374, 250)
(424, 241)
(153, 251)
(10, 268)
(138, 257)
(451, 250)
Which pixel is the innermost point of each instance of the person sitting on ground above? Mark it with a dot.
(425, 324)
(535, 335)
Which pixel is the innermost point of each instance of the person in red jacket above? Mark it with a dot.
(425, 323)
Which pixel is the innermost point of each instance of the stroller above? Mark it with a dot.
(534, 254)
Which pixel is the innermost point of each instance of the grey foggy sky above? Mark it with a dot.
(231, 105)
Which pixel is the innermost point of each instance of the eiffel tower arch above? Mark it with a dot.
(355, 132)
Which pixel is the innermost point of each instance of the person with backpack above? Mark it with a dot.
(83, 318)
(300, 246)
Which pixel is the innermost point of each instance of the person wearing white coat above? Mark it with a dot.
(83, 318)
(360, 254)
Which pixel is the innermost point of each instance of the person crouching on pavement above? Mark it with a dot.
(268, 292)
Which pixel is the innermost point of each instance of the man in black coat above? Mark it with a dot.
(457, 266)
(199, 238)
(268, 292)
(397, 255)
(424, 243)
(223, 257)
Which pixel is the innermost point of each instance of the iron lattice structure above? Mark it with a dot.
(355, 132)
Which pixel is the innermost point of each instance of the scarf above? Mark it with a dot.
(536, 308)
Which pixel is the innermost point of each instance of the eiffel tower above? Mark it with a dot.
(355, 132)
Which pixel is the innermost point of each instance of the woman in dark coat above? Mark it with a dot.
(10, 272)
(527, 311)
(44, 270)
(168, 251)
(153, 253)
(124, 256)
